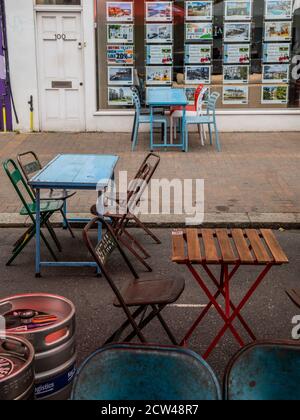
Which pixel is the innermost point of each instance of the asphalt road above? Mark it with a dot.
(269, 312)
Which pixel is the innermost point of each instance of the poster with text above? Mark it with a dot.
(238, 10)
(159, 33)
(236, 54)
(199, 31)
(120, 33)
(159, 54)
(158, 75)
(277, 53)
(273, 95)
(198, 54)
(120, 96)
(120, 54)
(237, 32)
(198, 10)
(276, 73)
(159, 11)
(119, 11)
(278, 31)
(278, 9)
(235, 95)
(236, 74)
(120, 75)
(197, 75)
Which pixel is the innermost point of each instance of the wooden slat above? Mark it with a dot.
(242, 246)
(258, 247)
(194, 251)
(227, 252)
(275, 248)
(211, 253)
(178, 247)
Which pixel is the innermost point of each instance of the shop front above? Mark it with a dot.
(79, 59)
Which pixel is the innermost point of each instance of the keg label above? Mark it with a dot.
(58, 383)
(6, 367)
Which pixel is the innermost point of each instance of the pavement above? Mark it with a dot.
(253, 182)
(269, 312)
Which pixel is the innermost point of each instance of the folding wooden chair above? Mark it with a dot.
(30, 165)
(294, 295)
(129, 203)
(48, 208)
(139, 294)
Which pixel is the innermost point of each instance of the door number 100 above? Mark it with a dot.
(60, 36)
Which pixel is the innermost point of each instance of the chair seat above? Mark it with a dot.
(57, 195)
(146, 119)
(46, 207)
(152, 292)
(180, 108)
(199, 119)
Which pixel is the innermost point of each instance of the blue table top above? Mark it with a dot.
(76, 172)
(166, 97)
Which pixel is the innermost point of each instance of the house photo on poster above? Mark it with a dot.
(159, 33)
(236, 54)
(159, 54)
(277, 53)
(238, 10)
(198, 10)
(274, 95)
(278, 31)
(190, 94)
(237, 32)
(236, 74)
(198, 54)
(120, 33)
(159, 11)
(278, 9)
(235, 95)
(119, 11)
(198, 31)
(276, 73)
(197, 75)
(120, 75)
(120, 54)
(120, 96)
(158, 75)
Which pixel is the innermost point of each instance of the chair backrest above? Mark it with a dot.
(145, 372)
(264, 371)
(197, 93)
(212, 102)
(29, 164)
(103, 249)
(19, 183)
(136, 101)
(200, 100)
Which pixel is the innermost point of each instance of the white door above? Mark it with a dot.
(60, 66)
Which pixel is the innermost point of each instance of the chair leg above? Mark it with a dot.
(210, 135)
(217, 138)
(186, 137)
(135, 135)
(146, 229)
(166, 328)
(53, 236)
(165, 126)
(67, 223)
(171, 130)
(143, 324)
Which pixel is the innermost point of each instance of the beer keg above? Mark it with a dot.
(54, 344)
(16, 368)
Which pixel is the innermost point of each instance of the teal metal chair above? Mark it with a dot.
(265, 371)
(48, 208)
(209, 119)
(141, 118)
(150, 373)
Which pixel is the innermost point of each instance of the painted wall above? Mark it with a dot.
(23, 62)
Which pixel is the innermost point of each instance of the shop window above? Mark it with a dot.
(247, 50)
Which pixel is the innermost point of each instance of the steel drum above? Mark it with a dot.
(16, 369)
(54, 345)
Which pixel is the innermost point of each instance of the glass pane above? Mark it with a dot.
(247, 50)
(59, 2)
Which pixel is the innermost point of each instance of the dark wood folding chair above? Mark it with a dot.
(120, 222)
(140, 294)
(294, 295)
(30, 165)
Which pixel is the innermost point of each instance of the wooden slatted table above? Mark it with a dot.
(229, 249)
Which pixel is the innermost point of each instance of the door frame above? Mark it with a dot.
(58, 10)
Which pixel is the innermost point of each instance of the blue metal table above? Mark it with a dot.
(71, 172)
(167, 97)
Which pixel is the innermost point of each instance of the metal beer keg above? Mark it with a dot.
(54, 344)
(16, 368)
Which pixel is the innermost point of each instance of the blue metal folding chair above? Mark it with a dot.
(209, 119)
(145, 119)
(266, 371)
(139, 372)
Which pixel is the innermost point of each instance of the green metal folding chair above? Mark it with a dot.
(48, 208)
